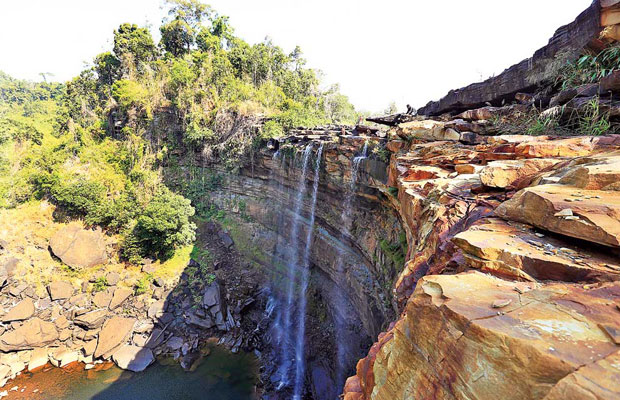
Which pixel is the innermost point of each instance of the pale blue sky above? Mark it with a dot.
(408, 51)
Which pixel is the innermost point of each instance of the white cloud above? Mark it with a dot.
(409, 51)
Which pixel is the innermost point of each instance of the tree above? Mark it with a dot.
(130, 39)
(164, 224)
(192, 12)
(177, 37)
(107, 67)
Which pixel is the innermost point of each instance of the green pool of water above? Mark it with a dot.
(220, 376)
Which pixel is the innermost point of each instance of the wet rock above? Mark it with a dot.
(114, 333)
(133, 358)
(60, 290)
(23, 310)
(31, 334)
(79, 248)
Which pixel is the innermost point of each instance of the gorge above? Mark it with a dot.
(471, 251)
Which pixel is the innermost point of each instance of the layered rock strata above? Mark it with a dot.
(512, 285)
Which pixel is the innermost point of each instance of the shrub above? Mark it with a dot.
(162, 226)
(78, 198)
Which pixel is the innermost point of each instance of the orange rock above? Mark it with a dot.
(594, 173)
(513, 173)
(451, 342)
(596, 214)
(598, 381)
(515, 251)
(573, 147)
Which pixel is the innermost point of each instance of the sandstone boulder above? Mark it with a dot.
(509, 174)
(23, 310)
(79, 248)
(113, 334)
(594, 173)
(571, 147)
(515, 251)
(595, 215)
(133, 358)
(38, 358)
(33, 333)
(60, 290)
(119, 297)
(91, 320)
(102, 299)
(451, 333)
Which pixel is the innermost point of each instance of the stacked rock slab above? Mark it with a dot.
(524, 232)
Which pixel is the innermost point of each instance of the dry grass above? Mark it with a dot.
(28, 228)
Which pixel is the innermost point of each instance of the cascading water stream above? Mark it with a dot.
(347, 224)
(285, 356)
(303, 286)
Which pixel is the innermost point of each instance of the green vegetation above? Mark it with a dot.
(97, 146)
(100, 284)
(143, 284)
(396, 251)
(589, 68)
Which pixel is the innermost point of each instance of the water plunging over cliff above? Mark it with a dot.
(338, 301)
(289, 324)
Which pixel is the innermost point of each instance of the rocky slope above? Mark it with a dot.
(527, 302)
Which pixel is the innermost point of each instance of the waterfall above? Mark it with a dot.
(285, 345)
(347, 224)
(305, 272)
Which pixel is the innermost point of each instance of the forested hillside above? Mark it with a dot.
(95, 146)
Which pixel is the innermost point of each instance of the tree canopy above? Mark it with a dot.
(96, 146)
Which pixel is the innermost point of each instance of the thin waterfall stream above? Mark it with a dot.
(339, 303)
(286, 348)
(290, 307)
(305, 272)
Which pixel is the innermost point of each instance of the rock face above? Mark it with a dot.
(515, 251)
(569, 40)
(79, 248)
(543, 335)
(537, 217)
